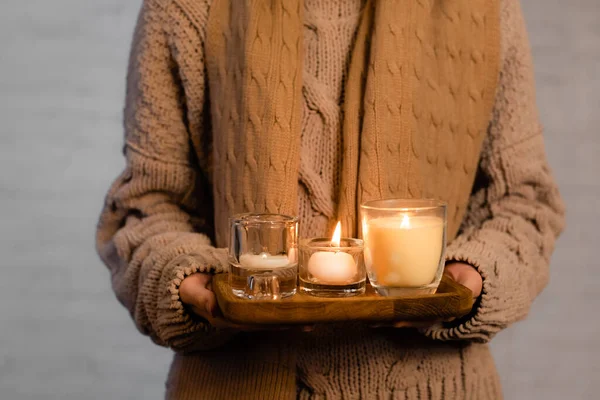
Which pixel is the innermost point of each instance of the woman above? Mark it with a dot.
(311, 108)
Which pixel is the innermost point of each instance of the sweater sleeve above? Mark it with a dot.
(154, 228)
(515, 213)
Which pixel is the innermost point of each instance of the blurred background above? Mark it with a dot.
(62, 333)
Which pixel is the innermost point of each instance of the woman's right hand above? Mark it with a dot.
(196, 293)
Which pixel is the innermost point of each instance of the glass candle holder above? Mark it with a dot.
(327, 270)
(405, 242)
(263, 256)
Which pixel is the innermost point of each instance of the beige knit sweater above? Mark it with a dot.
(156, 227)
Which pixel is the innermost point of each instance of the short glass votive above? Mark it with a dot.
(332, 271)
(263, 256)
(405, 242)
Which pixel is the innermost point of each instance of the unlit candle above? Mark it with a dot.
(264, 261)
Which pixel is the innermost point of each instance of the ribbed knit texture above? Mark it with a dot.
(329, 32)
(404, 111)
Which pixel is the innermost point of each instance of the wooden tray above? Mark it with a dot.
(451, 300)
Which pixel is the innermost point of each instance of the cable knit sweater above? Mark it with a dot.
(157, 226)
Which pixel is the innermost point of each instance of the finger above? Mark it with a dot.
(201, 297)
(473, 282)
(405, 324)
(210, 303)
(402, 324)
(413, 324)
(194, 293)
(465, 275)
(469, 281)
(192, 285)
(197, 311)
(200, 311)
(451, 273)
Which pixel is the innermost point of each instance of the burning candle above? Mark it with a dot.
(405, 241)
(333, 267)
(404, 251)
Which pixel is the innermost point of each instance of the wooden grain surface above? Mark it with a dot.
(61, 93)
(451, 300)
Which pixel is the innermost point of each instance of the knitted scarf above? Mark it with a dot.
(418, 100)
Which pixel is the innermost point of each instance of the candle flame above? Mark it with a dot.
(405, 222)
(337, 235)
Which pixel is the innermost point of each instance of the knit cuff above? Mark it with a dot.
(492, 311)
(175, 325)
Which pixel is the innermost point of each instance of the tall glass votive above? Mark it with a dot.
(405, 242)
(332, 267)
(263, 256)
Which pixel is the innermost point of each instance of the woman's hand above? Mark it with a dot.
(466, 275)
(462, 273)
(196, 293)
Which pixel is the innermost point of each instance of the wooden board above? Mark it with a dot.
(451, 300)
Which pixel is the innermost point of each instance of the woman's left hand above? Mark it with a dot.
(462, 273)
(466, 275)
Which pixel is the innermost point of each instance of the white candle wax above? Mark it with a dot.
(264, 261)
(332, 267)
(403, 251)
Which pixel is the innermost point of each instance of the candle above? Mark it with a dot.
(264, 261)
(404, 251)
(333, 267)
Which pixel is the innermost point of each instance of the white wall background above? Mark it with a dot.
(63, 334)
